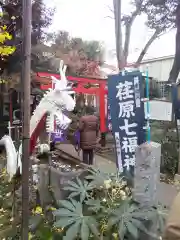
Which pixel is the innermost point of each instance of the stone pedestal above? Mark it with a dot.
(147, 173)
(56, 180)
(146, 181)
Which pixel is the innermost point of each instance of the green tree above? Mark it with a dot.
(165, 14)
(41, 19)
(63, 42)
(82, 57)
(176, 64)
(160, 19)
(5, 49)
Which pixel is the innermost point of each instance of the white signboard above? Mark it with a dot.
(159, 110)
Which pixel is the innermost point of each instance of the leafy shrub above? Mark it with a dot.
(165, 134)
(98, 207)
(101, 207)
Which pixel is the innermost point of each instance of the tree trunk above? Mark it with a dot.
(118, 33)
(148, 44)
(127, 41)
(176, 64)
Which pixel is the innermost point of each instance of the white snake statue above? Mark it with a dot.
(49, 109)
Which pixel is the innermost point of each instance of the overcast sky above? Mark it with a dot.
(89, 19)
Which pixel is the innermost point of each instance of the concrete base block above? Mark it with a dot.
(147, 173)
(56, 180)
(147, 179)
(177, 177)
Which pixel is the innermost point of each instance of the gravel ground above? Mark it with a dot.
(62, 165)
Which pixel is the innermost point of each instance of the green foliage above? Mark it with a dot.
(165, 134)
(160, 13)
(71, 216)
(45, 232)
(34, 222)
(101, 207)
(41, 19)
(170, 155)
(62, 41)
(161, 215)
(9, 226)
(40, 225)
(125, 217)
(79, 189)
(94, 51)
(160, 18)
(82, 57)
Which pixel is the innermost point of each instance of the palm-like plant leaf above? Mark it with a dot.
(161, 217)
(126, 218)
(97, 177)
(71, 216)
(85, 231)
(79, 189)
(72, 231)
(94, 205)
(67, 204)
(155, 217)
(145, 214)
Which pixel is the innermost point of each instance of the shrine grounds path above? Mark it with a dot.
(166, 192)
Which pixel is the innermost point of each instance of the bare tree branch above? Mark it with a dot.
(110, 9)
(110, 17)
(156, 34)
(128, 22)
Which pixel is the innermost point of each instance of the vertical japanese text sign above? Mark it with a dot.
(127, 116)
(109, 124)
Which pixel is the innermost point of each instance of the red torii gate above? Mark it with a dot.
(44, 79)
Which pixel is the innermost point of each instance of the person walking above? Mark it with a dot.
(89, 131)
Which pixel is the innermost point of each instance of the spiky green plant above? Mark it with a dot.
(98, 207)
(71, 217)
(101, 207)
(79, 188)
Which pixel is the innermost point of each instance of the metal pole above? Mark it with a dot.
(148, 107)
(26, 80)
